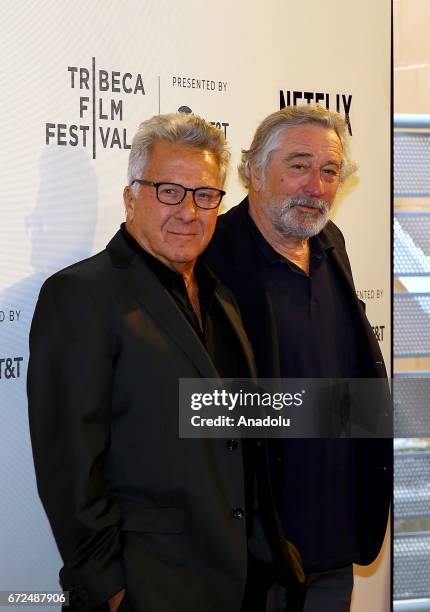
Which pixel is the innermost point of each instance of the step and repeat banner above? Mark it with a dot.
(78, 77)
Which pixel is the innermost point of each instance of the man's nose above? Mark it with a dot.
(314, 183)
(187, 209)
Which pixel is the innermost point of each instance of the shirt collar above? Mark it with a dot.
(320, 245)
(206, 280)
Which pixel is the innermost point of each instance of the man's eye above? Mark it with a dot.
(330, 172)
(169, 190)
(205, 195)
(298, 166)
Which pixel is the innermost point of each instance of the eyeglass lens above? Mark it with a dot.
(205, 197)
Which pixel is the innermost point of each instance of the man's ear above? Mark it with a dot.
(129, 202)
(255, 177)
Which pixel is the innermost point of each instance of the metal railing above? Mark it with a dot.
(412, 339)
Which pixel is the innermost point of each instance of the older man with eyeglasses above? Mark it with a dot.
(146, 521)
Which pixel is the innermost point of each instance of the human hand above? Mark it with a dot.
(115, 601)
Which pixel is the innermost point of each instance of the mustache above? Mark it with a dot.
(321, 205)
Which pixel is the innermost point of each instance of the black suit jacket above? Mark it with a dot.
(232, 256)
(131, 505)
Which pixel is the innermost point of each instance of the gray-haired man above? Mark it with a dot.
(288, 268)
(144, 521)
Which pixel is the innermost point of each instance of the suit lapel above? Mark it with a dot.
(239, 331)
(344, 269)
(145, 287)
(254, 300)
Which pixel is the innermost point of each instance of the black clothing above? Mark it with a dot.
(224, 350)
(315, 473)
(217, 333)
(175, 285)
(260, 577)
(308, 309)
(261, 284)
(329, 591)
(131, 504)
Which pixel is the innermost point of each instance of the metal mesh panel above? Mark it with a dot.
(411, 324)
(411, 485)
(412, 244)
(411, 164)
(412, 407)
(412, 338)
(412, 566)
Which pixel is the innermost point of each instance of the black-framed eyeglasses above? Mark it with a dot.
(173, 194)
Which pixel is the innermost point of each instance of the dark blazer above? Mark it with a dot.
(131, 505)
(232, 256)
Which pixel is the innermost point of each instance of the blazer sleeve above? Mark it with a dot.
(69, 391)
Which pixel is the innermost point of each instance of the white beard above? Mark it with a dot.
(290, 221)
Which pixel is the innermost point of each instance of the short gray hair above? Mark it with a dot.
(177, 128)
(266, 137)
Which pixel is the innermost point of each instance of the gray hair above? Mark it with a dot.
(266, 137)
(177, 128)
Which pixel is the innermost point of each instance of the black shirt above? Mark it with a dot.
(217, 333)
(314, 480)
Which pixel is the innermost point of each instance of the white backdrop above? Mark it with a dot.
(77, 79)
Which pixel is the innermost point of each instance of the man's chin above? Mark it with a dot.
(304, 228)
(185, 256)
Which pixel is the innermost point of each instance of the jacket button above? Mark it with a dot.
(238, 513)
(231, 445)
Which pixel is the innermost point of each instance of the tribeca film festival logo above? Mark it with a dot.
(339, 102)
(101, 105)
(10, 367)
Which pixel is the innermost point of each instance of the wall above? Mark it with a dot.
(61, 185)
